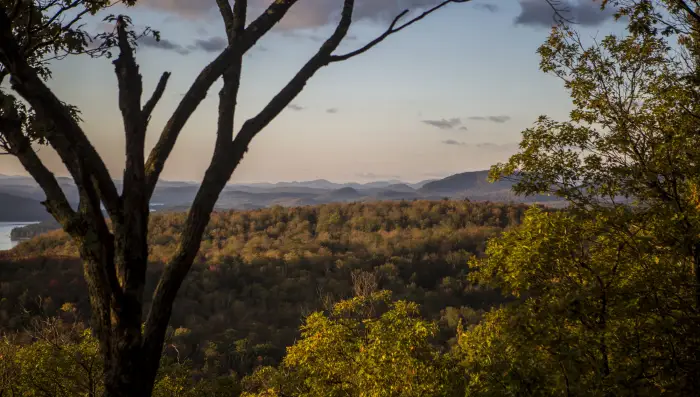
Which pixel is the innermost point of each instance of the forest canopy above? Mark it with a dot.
(260, 273)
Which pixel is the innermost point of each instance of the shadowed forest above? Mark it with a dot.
(259, 273)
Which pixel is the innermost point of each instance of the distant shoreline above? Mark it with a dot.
(27, 230)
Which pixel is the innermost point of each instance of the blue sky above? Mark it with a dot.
(387, 114)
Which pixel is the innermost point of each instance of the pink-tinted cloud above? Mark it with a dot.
(305, 14)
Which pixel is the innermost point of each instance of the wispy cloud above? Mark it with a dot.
(211, 44)
(332, 110)
(495, 119)
(163, 44)
(296, 107)
(453, 142)
(444, 124)
(583, 12)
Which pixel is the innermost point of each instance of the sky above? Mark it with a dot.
(449, 94)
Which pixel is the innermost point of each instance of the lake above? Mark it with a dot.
(5, 229)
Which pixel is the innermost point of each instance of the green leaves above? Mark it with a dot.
(62, 359)
(605, 287)
(599, 313)
(367, 346)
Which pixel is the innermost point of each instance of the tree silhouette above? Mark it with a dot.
(115, 252)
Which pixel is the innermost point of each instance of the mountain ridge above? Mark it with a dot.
(178, 195)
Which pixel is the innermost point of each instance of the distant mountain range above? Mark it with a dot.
(20, 196)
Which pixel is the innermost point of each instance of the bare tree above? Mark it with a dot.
(364, 283)
(115, 256)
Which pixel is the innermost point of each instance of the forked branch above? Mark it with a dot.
(393, 28)
(217, 175)
(206, 78)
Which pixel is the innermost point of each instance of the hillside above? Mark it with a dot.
(21, 209)
(259, 272)
(466, 181)
(476, 187)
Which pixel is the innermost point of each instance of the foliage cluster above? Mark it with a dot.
(259, 273)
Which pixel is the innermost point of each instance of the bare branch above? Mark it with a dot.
(393, 29)
(235, 24)
(157, 94)
(240, 8)
(217, 175)
(560, 8)
(198, 90)
(130, 90)
(322, 58)
(227, 15)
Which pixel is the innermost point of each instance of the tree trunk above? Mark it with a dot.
(124, 375)
(129, 368)
(696, 270)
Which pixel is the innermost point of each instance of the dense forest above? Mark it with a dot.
(33, 230)
(259, 273)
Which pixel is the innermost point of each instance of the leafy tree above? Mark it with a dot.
(60, 358)
(600, 314)
(607, 291)
(356, 351)
(632, 138)
(115, 254)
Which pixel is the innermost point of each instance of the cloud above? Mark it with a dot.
(463, 128)
(212, 44)
(295, 107)
(444, 124)
(306, 14)
(452, 142)
(332, 110)
(495, 119)
(486, 7)
(163, 44)
(583, 12)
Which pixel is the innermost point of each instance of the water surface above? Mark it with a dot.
(5, 229)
